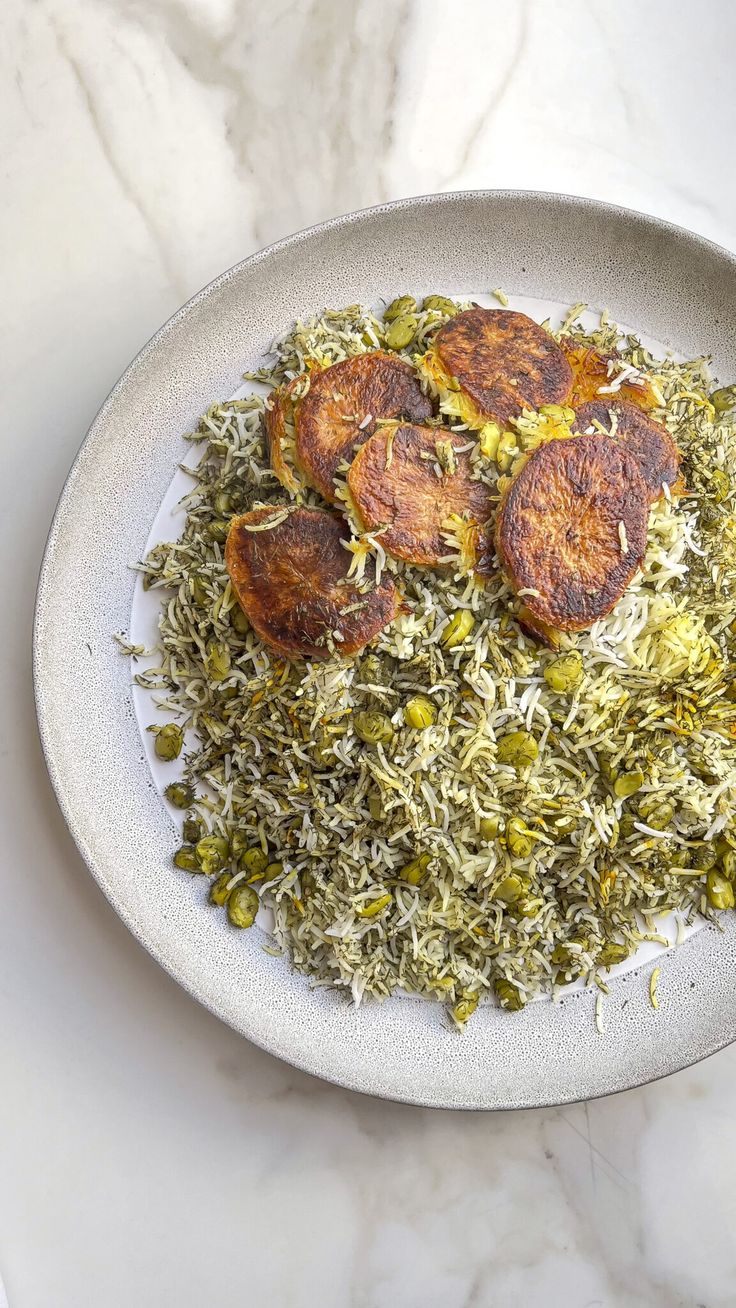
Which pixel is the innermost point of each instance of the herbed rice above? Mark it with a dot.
(275, 758)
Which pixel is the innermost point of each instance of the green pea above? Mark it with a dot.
(613, 952)
(192, 830)
(217, 529)
(710, 517)
(397, 308)
(563, 956)
(565, 672)
(254, 860)
(518, 749)
(511, 889)
(489, 827)
(217, 661)
(401, 332)
(465, 1008)
(372, 727)
(440, 304)
(212, 852)
(719, 891)
(180, 794)
(420, 712)
(656, 813)
(220, 889)
(272, 870)
(519, 840)
(242, 906)
(704, 858)
(627, 783)
(559, 827)
(458, 628)
(509, 996)
(626, 827)
(186, 859)
(239, 842)
(723, 399)
(728, 864)
(238, 621)
(168, 742)
(414, 871)
(371, 671)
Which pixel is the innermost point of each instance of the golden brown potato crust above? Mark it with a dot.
(330, 416)
(558, 532)
(590, 372)
(394, 484)
(650, 443)
(504, 361)
(281, 408)
(288, 582)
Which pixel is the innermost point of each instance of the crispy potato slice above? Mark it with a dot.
(394, 484)
(339, 410)
(650, 443)
(503, 361)
(280, 435)
(572, 530)
(590, 373)
(290, 582)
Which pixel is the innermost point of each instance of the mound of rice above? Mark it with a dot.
(277, 762)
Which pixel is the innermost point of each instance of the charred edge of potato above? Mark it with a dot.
(290, 579)
(650, 443)
(503, 361)
(394, 484)
(280, 436)
(571, 530)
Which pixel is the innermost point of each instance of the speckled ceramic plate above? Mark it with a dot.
(664, 282)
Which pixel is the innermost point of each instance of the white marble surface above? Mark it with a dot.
(148, 1156)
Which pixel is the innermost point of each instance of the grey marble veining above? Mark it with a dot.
(147, 1155)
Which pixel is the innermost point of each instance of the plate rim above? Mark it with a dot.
(55, 771)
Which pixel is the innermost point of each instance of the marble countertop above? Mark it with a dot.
(149, 1156)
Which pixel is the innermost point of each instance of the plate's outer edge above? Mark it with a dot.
(674, 286)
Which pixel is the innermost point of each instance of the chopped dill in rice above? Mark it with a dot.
(278, 766)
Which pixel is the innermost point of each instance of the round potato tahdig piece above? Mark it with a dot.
(339, 410)
(290, 582)
(503, 361)
(394, 484)
(572, 530)
(649, 442)
(590, 373)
